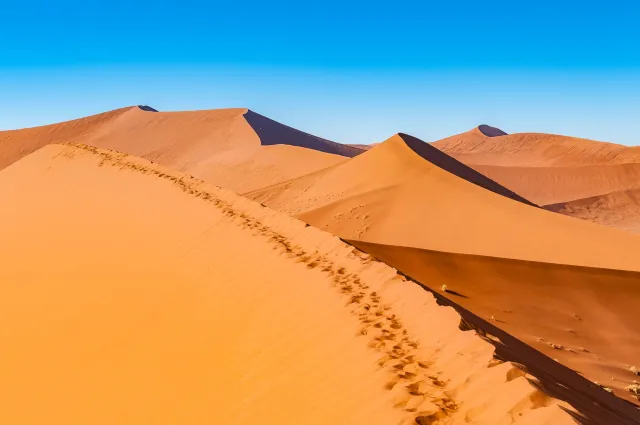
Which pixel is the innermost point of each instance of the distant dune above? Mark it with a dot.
(133, 294)
(552, 169)
(617, 209)
(392, 195)
(233, 148)
(534, 150)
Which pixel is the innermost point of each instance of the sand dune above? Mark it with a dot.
(392, 195)
(551, 169)
(618, 209)
(588, 314)
(133, 294)
(534, 150)
(547, 185)
(234, 148)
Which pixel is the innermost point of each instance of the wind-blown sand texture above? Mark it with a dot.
(553, 169)
(234, 148)
(133, 294)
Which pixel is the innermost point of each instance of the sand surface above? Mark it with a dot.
(554, 169)
(233, 148)
(393, 195)
(584, 317)
(131, 294)
(617, 209)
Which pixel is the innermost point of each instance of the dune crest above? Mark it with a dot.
(232, 313)
(234, 148)
(489, 131)
(394, 196)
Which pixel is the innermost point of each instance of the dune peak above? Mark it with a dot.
(147, 108)
(489, 131)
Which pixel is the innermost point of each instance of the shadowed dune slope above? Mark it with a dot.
(272, 132)
(617, 209)
(588, 314)
(170, 301)
(394, 196)
(220, 146)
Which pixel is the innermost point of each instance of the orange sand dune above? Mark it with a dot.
(132, 294)
(547, 185)
(392, 195)
(533, 150)
(550, 169)
(234, 148)
(584, 317)
(617, 209)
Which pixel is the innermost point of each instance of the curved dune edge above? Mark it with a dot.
(434, 371)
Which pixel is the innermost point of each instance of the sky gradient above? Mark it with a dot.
(354, 73)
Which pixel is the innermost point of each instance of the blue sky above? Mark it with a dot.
(354, 72)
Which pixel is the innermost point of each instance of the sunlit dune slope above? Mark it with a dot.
(132, 294)
(234, 148)
(392, 195)
(584, 317)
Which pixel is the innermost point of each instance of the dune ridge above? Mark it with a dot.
(534, 150)
(235, 148)
(392, 196)
(200, 283)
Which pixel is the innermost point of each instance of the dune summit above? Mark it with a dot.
(234, 148)
(170, 301)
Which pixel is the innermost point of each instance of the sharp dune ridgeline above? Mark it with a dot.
(551, 169)
(220, 267)
(234, 148)
(397, 194)
(170, 301)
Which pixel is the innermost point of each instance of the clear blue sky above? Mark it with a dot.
(354, 72)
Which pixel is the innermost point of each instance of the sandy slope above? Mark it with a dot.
(549, 169)
(133, 295)
(548, 185)
(234, 148)
(617, 209)
(392, 195)
(589, 314)
(534, 150)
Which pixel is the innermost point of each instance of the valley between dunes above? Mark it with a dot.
(218, 266)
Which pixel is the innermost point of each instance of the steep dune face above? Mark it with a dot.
(392, 195)
(588, 314)
(552, 169)
(220, 146)
(169, 301)
(617, 209)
